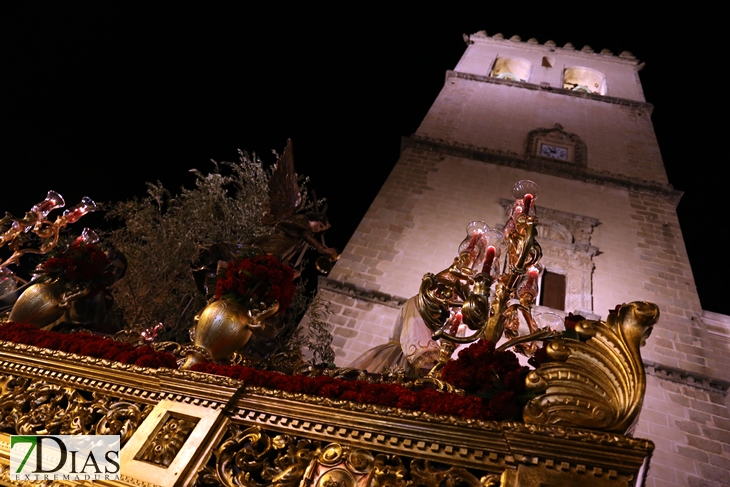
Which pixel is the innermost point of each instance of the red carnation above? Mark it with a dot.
(408, 400)
(260, 278)
(86, 344)
(504, 405)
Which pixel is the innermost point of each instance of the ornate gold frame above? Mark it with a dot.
(291, 432)
(209, 427)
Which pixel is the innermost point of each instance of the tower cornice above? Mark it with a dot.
(648, 107)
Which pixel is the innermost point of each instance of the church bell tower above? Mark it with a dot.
(575, 121)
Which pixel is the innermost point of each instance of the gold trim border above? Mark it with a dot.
(481, 445)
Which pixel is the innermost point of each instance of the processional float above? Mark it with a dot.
(214, 424)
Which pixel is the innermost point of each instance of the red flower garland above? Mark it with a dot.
(260, 278)
(86, 344)
(496, 376)
(390, 395)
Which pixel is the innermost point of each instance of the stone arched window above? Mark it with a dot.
(557, 144)
(585, 80)
(511, 68)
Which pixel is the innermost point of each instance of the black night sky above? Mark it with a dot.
(101, 97)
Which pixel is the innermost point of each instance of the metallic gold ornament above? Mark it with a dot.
(598, 383)
(40, 407)
(464, 290)
(389, 471)
(223, 327)
(265, 437)
(43, 303)
(425, 474)
(253, 458)
(162, 449)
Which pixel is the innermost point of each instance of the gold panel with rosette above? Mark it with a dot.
(218, 431)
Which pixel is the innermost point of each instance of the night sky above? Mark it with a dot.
(102, 97)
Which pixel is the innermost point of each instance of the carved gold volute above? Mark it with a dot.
(597, 381)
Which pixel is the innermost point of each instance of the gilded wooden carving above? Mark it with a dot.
(269, 437)
(252, 458)
(598, 383)
(40, 408)
(168, 441)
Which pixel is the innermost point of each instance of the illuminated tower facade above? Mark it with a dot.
(576, 122)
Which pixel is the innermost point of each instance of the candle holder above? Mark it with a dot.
(488, 292)
(16, 233)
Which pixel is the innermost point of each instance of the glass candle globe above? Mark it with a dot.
(525, 193)
(473, 244)
(53, 200)
(87, 205)
(489, 260)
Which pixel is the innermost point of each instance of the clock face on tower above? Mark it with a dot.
(553, 151)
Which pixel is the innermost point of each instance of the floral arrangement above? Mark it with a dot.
(87, 344)
(81, 263)
(498, 399)
(496, 377)
(252, 280)
(495, 382)
(389, 395)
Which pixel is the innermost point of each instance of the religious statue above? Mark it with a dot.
(293, 232)
(488, 289)
(409, 347)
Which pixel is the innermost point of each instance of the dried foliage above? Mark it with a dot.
(317, 338)
(159, 236)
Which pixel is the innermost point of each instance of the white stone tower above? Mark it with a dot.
(576, 122)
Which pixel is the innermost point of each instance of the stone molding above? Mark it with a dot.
(717, 324)
(625, 57)
(327, 284)
(543, 165)
(562, 226)
(640, 105)
(692, 379)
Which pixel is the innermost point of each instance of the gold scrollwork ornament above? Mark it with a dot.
(425, 474)
(339, 466)
(166, 444)
(252, 458)
(42, 408)
(596, 382)
(388, 471)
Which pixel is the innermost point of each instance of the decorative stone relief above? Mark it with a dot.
(570, 147)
